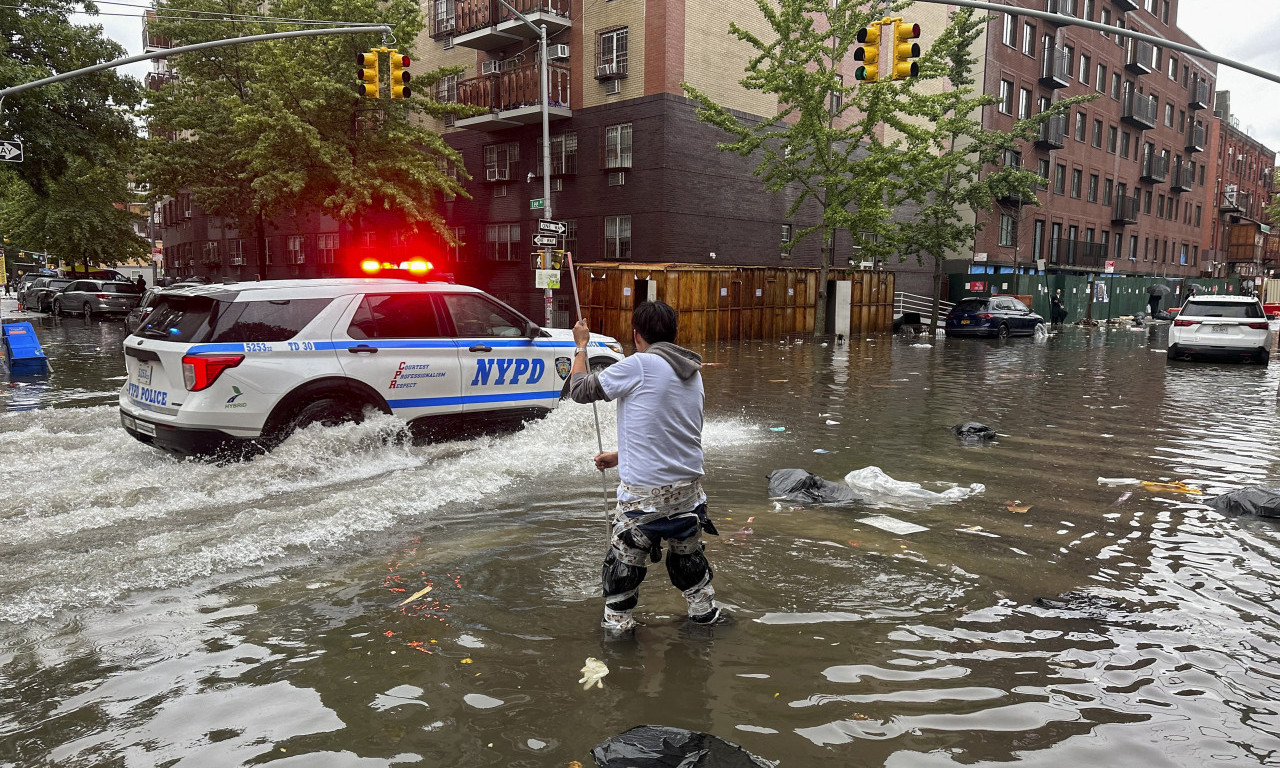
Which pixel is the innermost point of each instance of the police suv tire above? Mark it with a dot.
(329, 411)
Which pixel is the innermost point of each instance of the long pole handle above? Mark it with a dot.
(573, 280)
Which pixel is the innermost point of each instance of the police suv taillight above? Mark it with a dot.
(200, 371)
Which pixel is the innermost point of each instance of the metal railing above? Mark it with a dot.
(515, 88)
(913, 302)
(474, 15)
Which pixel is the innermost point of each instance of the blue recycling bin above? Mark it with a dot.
(22, 350)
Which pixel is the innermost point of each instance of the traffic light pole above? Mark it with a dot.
(546, 137)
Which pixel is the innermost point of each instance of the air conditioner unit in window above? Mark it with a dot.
(490, 67)
(617, 178)
(497, 174)
(1040, 264)
(557, 185)
(604, 71)
(557, 52)
(444, 24)
(612, 87)
(300, 259)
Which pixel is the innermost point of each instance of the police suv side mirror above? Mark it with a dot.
(532, 331)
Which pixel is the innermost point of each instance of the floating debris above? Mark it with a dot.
(1017, 507)
(1174, 487)
(417, 595)
(593, 672)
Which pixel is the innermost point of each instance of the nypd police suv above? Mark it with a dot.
(236, 368)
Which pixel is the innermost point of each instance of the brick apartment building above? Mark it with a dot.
(1236, 236)
(1129, 176)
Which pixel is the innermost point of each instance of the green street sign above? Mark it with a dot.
(537, 203)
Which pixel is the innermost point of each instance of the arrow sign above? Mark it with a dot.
(552, 227)
(545, 241)
(11, 150)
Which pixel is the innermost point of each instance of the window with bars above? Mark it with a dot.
(502, 241)
(498, 159)
(617, 237)
(571, 235)
(293, 253)
(447, 93)
(327, 247)
(564, 155)
(611, 54)
(235, 249)
(617, 146)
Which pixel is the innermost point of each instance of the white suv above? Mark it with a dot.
(1223, 327)
(234, 369)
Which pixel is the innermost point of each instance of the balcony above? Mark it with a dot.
(1200, 96)
(1184, 176)
(1055, 71)
(486, 24)
(154, 81)
(1064, 8)
(1195, 139)
(1077, 253)
(1053, 133)
(1155, 170)
(1141, 56)
(1125, 5)
(1126, 211)
(1139, 110)
(512, 98)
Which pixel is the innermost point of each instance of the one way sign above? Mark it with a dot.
(11, 150)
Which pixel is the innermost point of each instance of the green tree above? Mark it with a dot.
(260, 130)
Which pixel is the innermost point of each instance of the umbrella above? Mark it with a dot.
(1159, 289)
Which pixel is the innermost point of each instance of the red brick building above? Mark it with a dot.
(1236, 235)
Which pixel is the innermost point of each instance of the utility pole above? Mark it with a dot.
(546, 137)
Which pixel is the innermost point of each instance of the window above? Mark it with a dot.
(1008, 230)
(1086, 69)
(1168, 114)
(266, 242)
(502, 242)
(327, 247)
(235, 249)
(498, 159)
(1111, 139)
(1105, 19)
(1010, 31)
(617, 237)
(1097, 134)
(395, 316)
(1197, 220)
(1077, 177)
(1115, 85)
(1037, 240)
(1106, 192)
(1124, 144)
(1060, 180)
(1101, 82)
(564, 155)
(1042, 170)
(1093, 187)
(837, 95)
(479, 316)
(617, 146)
(1160, 207)
(1146, 203)
(1081, 121)
(1029, 39)
(571, 235)
(1006, 97)
(1024, 103)
(1173, 68)
(611, 58)
(1069, 52)
(447, 93)
(293, 250)
(1086, 12)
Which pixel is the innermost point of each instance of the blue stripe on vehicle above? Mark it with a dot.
(326, 346)
(512, 397)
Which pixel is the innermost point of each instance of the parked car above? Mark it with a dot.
(231, 370)
(1221, 327)
(1000, 316)
(39, 294)
(97, 297)
(139, 313)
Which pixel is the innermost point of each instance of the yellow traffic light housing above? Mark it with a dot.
(557, 259)
(868, 52)
(367, 74)
(399, 78)
(904, 50)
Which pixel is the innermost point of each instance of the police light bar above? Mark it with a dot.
(416, 267)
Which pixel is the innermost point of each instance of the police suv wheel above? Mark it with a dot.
(327, 411)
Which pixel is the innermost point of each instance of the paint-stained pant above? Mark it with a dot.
(631, 550)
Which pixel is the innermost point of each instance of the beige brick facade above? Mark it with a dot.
(602, 17)
(715, 61)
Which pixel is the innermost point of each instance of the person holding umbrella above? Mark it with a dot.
(1155, 292)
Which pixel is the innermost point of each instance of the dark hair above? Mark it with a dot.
(655, 321)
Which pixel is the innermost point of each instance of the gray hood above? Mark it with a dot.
(683, 361)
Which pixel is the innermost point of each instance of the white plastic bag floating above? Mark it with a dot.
(878, 489)
(592, 672)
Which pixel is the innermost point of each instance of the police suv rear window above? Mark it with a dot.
(201, 319)
(1211, 308)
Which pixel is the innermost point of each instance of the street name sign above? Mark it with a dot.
(11, 150)
(537, 203)
(552, 227)
(545, 241)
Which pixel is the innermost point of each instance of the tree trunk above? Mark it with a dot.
(937, 295)
(260, 234)
(820, 309)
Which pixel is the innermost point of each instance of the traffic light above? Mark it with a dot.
(557, 258)
(904, 50)
(868, 52)
(399, 78)
(367, 74)
(535, 259)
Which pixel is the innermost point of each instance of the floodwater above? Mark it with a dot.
(155, 612)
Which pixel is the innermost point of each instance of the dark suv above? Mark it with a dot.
(97, 297)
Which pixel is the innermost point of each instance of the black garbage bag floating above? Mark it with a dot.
(804, 487)
(1256, 500)
(658, 746)
(973, 431)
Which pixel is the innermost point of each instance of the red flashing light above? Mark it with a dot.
(200, 371)
(415, 267)
(370, 266)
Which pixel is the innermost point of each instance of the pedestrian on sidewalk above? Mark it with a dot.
(659, 459)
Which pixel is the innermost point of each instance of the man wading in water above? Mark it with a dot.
(659, 461)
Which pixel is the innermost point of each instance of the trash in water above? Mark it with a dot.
(830, 422)
(1174, 487)
(973, 431)
(777, 429)
(1249, 501)
(802, 486)
(592, 673)
(892, 524)
(660, 746)
(417, 595)
(1118, 481)
(1017, 507)
(821, 450)
(1123, 498)
(877, 488)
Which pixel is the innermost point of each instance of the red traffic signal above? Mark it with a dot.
(399, 78)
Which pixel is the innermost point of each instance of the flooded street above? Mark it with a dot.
(155, 612)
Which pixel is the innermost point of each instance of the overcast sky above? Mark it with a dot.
(1244, 30)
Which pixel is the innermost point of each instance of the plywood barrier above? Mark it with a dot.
(725, 304)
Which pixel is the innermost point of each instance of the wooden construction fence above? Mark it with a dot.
(724, 304)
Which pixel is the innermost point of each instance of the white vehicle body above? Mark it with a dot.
(1222, 327)
(240, 366)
